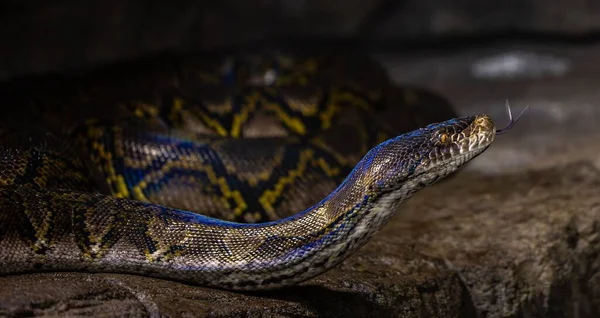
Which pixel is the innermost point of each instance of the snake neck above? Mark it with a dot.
(305, 245)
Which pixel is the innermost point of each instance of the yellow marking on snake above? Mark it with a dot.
(268, 198)
(242, 117)
(309, 67)
(183, 162)
(310, 110)
(161, 252)
(41, 228)
(293, 123)
(212, 123)
(178, 108)
(308, 107)
(41, 178)
(42, 172)
(142, 108)
(118, 140)
(320, 143)
(115, 181)
(96, 249)
(327, 115)
(334, 105)
(255, 178)
(329, 169)
(138, 191)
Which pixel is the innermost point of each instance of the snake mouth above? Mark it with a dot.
(480, 134)
(476, 138)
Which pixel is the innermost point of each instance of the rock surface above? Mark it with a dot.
(514, 234)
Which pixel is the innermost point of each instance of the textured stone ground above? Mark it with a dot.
(515, 234)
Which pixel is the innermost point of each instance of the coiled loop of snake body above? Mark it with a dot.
(144, 206)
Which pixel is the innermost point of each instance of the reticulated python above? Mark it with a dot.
(123, 171)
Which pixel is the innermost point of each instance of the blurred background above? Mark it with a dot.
(476, 53)
(39, 36)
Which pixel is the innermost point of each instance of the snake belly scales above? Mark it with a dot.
(240, 172)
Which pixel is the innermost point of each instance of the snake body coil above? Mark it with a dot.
(131, 213)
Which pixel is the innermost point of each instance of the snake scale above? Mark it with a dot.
(243, 173)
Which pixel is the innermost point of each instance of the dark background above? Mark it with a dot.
(40, 36)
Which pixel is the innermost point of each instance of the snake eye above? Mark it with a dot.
(444, 138)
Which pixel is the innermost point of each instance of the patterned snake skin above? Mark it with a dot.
(258, 174)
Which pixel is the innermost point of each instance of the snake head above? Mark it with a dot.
(450, 144)
(426, 155)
